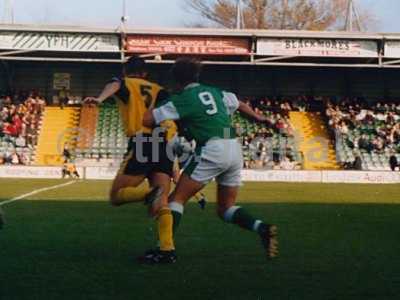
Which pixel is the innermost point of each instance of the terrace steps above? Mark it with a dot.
(87, 126)
(313, 141)
(59, 126)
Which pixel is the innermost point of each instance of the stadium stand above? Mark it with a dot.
(87, 126)
(271, 145)
(109, 139)
(59, 128)
(359, 134)
(20, 119)
(366, 131)
(314, 141)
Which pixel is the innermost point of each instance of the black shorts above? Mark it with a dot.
(141, 160)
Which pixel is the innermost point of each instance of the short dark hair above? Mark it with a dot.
(135, 65)
(186, 70)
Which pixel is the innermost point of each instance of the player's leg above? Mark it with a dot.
(162, 212)
(200, 197)
(201, 200)
(228, 183)
(229, 212)
(197, 173)
(129, 185)
(128, 189)
(202, 167)
(185, 189)
(162, 172)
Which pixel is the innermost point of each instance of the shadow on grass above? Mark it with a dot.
(86, 250)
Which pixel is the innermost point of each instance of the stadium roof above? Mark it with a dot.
(371, 50)
(205, 32)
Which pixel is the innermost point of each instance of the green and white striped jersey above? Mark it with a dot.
(204, 112)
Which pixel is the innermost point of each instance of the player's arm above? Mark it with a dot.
(176, 171)
(155, 116)
(232, 104)
(109, 90)
(246, 109)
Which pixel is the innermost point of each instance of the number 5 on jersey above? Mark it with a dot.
(145, 91)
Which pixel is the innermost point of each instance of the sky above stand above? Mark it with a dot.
(148, 13)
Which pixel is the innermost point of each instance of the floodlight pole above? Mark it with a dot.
(357, 16)
(350, 15)
(239, 15)
(124, 19)
(8, 12)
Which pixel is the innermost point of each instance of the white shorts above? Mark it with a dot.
(221, 159)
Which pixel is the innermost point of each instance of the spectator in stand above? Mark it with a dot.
(264, 146)
(31, 135)
(66, 153)
(7, 157)
(300, 103)
(357, 164)
(285, 108)
(41, 104)
(7, 101)
(287, 164)
(15, 158)
(378, 144)
(19, 119)
(369, 118)
(20, 141)
(25, 159)
(364, 143)
(373, 127)
(10, 129)
(343, 129)
(63, 97)
(394, 136)
(393, 161)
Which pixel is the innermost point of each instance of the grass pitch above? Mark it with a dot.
(336, 242)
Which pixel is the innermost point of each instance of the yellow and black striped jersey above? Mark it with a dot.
(70, 167)
(134, 98)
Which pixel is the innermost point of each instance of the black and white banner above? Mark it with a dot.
(392, 49)
(51, 41)
(108, 173)
(33, 172)
(317, 47)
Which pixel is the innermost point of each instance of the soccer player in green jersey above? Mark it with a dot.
(205, 112)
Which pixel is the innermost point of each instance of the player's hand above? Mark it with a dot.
(91, 100)
(175, 175)
(263, 119)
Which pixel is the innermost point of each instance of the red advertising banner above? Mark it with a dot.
(187, 45)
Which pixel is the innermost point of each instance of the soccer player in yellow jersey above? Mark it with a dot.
(69, 169)
(145, 174)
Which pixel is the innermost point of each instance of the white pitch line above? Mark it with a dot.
(45, 189)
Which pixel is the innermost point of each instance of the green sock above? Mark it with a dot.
(242, 218)
(177, 212)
